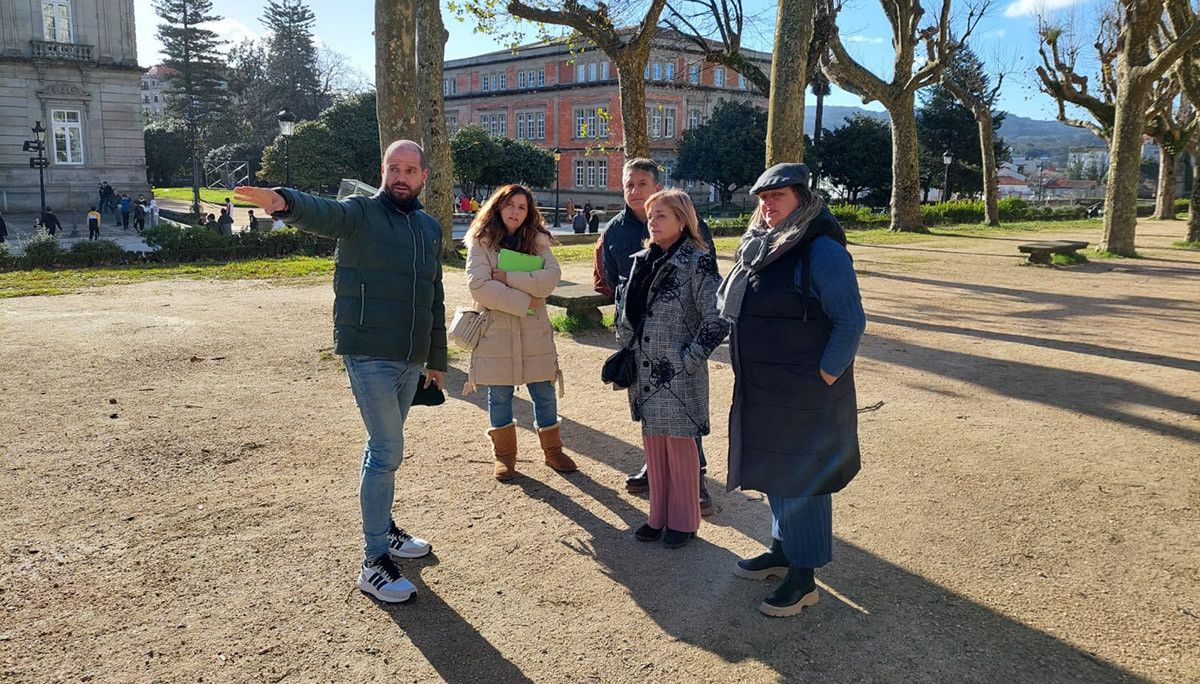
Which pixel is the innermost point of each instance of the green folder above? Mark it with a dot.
(516, 262)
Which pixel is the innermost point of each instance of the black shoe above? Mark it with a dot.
(764, 565)
(638, 482)
(674, 539)
(705, 501)
(797, 592)
(648, 534)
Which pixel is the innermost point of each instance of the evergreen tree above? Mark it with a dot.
(857, 156)
(728, 151)
(291, 60)
(945, 125)
(196, 92)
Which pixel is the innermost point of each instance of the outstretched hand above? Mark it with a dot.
(266, 198)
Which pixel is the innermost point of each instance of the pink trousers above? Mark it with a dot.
(673, 466)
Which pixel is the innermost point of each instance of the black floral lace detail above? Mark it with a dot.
(712, 334)
(667, 289)
(661, 372)
(708, 264)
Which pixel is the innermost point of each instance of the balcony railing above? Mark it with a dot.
(74, 52)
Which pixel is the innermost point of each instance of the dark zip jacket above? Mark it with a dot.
(387, 282)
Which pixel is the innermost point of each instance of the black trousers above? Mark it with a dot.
(93, 232)
(124, 219)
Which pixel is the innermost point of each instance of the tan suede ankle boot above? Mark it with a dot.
(552, 447)
(504, 447)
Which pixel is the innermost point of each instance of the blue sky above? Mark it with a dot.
(1008, 36)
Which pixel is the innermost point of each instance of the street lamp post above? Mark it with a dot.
(557, 158)
(947, 160)
(38, 144)
(287, 126)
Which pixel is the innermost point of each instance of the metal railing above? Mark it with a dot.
(75, 52)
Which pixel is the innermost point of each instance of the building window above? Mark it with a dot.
(68, 136)
(591, 174)
(579, 173)
(719, 77)
(504, 81)
(694, 73)
(451, 122)
(483, 83)
(694, 119)
(656, 129)
(450, 86)
(742, 81)
(670, 71)
(668, 167)
(604, 71)
(502, 128)
(541, 125)
(56, 20)
(580, 73)
(646, 73)
(657, 70)
(592, 71)
(591, 123)
(520, 126)
(521, 82)
(602, 173)
(669, 122)
(541, 77)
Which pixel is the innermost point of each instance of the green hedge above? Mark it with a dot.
(955, 211)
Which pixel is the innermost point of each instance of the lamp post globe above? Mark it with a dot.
(39, 134)
(947, 160)
(287, 126)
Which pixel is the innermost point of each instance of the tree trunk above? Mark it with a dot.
(1124, 167)
(818, 115)
(633, 104)
(439, 189)
(396, 82)
(789, 80)
(1193, 234)
(1164, 201)
(991, 190)
(906, 176)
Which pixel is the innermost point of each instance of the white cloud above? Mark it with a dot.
(1025, 8)
(865, 39)
(232, 30)
(998, 33)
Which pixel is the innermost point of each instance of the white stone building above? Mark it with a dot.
(154, 92)
(72, 65)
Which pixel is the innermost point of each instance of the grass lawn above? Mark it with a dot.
(212, 196)
(68, 280)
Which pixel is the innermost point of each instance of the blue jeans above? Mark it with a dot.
(383, 390)
(805, 526)
(545, 404)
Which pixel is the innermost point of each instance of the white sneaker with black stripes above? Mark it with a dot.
(403, 545)
(382, 579)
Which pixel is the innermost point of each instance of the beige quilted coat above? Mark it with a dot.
(516, 348)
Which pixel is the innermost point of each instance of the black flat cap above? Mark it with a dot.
(781, 176)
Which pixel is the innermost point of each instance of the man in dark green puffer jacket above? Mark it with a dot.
(389, 325)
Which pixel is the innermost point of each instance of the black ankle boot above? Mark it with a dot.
(764, 565)
(798, 591)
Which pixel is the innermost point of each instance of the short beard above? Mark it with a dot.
(399, 198)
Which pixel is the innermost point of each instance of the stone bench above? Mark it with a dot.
(580, 301)
(1039, 252)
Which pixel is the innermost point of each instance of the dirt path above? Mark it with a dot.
(1028, 509)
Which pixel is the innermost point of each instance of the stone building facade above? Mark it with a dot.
(154, 92)
(557, 99)
(71, 64)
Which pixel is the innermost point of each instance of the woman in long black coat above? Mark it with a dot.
(797, 317)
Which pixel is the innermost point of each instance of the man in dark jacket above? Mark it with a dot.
(50, 221)
(624, 235)
(389, 325)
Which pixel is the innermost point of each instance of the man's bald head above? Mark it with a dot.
(404, 170)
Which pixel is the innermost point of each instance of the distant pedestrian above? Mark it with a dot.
(251, 221)
(474, 205)
(126, 205)
(100, 190)
(587, 210)
(594, 222)
(139, 216)
(50, 221)
(571, 206)
(93, 221)
(152, 212)
(203, 222)
(278, 224)
(578, 223)
(225, 224)
(229, 207)
(3, 229)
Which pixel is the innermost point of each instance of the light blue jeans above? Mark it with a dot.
(383, 390)
(545, 404)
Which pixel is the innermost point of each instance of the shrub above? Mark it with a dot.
(96, 253)
(7, 261)
(42, 251)
(1144, 210)
(852, 215)
(1070, 213)
(728, 227)
(1182, 205)
(1014, 209)
(954, 211)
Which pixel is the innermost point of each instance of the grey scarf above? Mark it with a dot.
(760, 247)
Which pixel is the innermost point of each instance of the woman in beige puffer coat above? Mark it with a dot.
(517, 345)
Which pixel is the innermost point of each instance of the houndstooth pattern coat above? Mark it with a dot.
(681, 329)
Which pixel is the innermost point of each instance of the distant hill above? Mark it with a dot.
(1026, 137)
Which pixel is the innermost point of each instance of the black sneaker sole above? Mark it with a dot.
(637, 487)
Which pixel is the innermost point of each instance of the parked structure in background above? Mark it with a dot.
(154, 92)
(553, 98)
(71, 64)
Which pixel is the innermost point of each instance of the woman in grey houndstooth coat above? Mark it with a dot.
(671, 296)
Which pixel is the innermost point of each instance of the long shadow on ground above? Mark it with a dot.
(891, 625)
